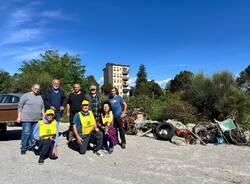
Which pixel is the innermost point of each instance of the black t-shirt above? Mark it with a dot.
(75, 101)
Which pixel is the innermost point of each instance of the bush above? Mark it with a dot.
(180, 111)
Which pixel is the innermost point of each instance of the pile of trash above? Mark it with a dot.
(216, 132)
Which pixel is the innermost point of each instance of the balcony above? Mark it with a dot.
(125, 72)
(125, 90)
(125, 84)
(125, 78)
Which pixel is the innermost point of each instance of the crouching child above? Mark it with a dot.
(46, 134)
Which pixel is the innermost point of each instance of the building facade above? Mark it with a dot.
(117, 75)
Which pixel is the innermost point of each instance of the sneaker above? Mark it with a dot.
(40, 161)
(23, 152)
(123, 145)
(98, 153)
(110, 150)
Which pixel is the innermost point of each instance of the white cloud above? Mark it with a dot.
(25, 53)
(55, 14)
(19, 17)
(101, 80)
(23, 35)
(132, 81)
(163, 82)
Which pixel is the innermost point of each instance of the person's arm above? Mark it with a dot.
(124, 106)
(78, 138)
(68, 110)
(55, 151)
(75, 120)
(45, 97)
(36, 132)
(20, 108)
(42, 108)
(57, 134)
(63, 101)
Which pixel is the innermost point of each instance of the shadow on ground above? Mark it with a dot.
(11, 135)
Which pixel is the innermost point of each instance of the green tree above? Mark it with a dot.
(151, 89)
(141, 79)
(181, 82)
(51, 64)
(244, 79)
(218, 97)
(90, 80)
(106, 88)
(5, 82)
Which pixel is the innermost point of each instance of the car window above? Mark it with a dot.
(9, 99)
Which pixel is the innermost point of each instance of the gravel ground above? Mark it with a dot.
(144, 161)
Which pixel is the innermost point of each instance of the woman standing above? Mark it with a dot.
(30, 110)
(109, 132)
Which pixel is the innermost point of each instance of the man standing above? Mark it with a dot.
(74, 103)
(86, 131)
(30, 110)
(47, 134)
(55, 99)
(94, 100)
(119, 108)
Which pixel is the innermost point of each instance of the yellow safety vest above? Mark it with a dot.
(107, 120)
(46, 130)
(88, 122)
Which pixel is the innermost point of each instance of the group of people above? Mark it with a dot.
(91, 120)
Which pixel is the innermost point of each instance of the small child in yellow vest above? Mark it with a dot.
(47, 134)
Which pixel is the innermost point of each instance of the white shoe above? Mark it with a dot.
(98, 153)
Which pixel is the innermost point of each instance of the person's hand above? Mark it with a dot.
(53, 108)
(123, 115)
(79, 140)
(55, 151)
(61, 108)
(97, 129)
(68, 114)
(18, 120)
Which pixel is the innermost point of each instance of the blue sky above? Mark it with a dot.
(168, 36)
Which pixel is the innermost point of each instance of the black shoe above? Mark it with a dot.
(110, 150)
(31, 148)
(23, 152)
(123, 145)
(40, 161)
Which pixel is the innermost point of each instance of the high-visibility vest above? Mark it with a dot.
(107, 120)
(88, 122)
(46, 130)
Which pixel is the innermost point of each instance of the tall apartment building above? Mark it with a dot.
(117, 75)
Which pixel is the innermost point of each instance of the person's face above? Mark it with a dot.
(93, 91)
(106, 108)
(35, 89)
(77, 88)
(113, 92)
(85, 108)
(50, 117)
(56, 84)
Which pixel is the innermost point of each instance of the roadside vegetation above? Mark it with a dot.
(188, 97)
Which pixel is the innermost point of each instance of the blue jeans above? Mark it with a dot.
(27, 135)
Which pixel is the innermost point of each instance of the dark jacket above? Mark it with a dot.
(47, 95)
